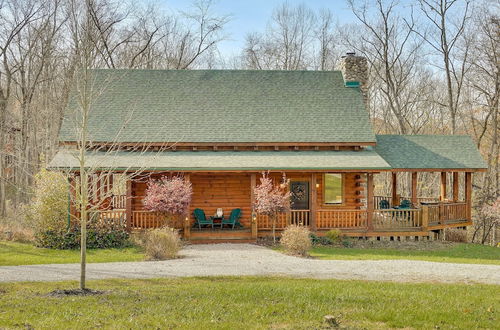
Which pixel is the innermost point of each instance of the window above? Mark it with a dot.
(334, 193)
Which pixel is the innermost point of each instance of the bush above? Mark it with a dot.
(162, 243)
(295, 240)
(97, 238)
(347, 242)
(15, 233)
(48, 211)
(320, 240)
(455, 235)
(334, 235)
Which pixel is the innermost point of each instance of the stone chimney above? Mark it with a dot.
(355, 72)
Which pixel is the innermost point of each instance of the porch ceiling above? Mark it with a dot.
(224, 160)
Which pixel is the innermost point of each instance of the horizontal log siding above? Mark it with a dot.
(226, 191)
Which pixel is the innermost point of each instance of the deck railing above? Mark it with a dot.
(444, 213)
(426, 217)
(118, 201)
(146, 220)
(326, 219)
(295, 217)
(397, 219)
(377, 199)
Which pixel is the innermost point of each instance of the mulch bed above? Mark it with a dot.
(75, 292)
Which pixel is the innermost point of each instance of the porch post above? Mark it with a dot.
(468, 195)
(128, 205)
(414, 193)
(369, 200)
(314, 194)
(455, 187)
(395, 200)
(442, 195)
(253, 183)
(187, 218)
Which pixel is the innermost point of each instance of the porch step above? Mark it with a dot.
(220, 240)
(218, 233)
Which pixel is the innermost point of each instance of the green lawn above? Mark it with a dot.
(12, 254)
(250, 302)
(457, 253)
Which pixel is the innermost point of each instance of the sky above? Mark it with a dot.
(252, 15)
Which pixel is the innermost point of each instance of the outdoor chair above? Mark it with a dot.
(384, 204)
(201, 219)
(233, 219)
(405, 204)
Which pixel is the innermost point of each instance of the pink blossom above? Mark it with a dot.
(271, 199)
(168, 195)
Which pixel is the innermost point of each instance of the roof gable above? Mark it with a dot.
(210, 106)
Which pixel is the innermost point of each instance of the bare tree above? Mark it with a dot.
(393, 54)
(286, 45)
(14, 17)
(446, 35)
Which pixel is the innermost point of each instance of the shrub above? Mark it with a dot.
(295, 240)
(48, 211)
(347, 242)
(97, 238)
(15, 233)
(456, 235)
(334, 235)
(320, 240)
(162, 243)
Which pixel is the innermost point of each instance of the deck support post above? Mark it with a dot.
(128, 205)
(455, 187)
(314, 196)
(369, 200)
(468, 195)
(414, 192)
(395, 199)
(442, 195)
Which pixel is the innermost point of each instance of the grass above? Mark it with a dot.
(456, 253)
(12, 254)
(256, 303)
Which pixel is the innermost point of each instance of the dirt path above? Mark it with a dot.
(247, 259)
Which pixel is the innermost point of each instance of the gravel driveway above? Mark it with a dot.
(248, 259)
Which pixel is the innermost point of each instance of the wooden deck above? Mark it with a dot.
(387, 222)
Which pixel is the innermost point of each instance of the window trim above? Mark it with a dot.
(342, 203)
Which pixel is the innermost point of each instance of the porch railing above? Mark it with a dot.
(326, 219)
(397, 219)
(118, 201)
(447, 213)
(146, 220)
(296, 217)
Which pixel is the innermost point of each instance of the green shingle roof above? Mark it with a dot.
(224, 160)
(429, 152)
(222, 106)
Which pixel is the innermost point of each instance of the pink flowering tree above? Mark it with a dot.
(169, 196)
(271, 199)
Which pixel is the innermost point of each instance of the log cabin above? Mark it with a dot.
(221, 129)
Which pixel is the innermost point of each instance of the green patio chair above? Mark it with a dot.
(405, 204)
(201, 219)
(384, 204)
(233, 219)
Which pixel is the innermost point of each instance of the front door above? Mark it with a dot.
(299, 195)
